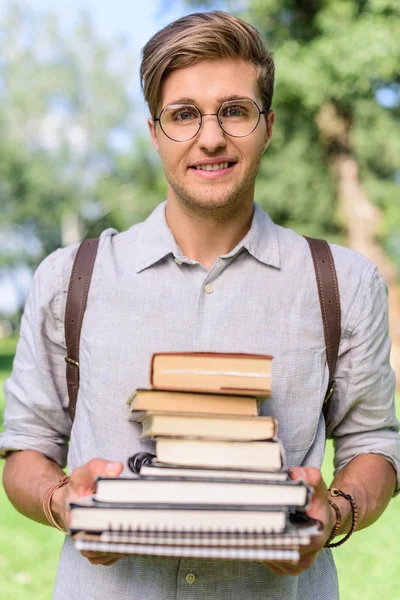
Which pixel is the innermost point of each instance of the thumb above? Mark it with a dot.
(83, 479)
(311, 475)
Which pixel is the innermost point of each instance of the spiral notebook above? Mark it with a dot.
(184, 538)
(191, 551)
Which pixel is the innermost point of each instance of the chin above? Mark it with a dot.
(212, 204)
(212, 200)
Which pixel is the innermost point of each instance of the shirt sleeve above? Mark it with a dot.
(364, 419)
(36, 414)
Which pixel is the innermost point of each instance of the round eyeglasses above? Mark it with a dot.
(182, 122)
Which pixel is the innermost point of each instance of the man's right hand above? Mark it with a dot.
(82, 482)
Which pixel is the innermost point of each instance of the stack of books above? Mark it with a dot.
(217, 486)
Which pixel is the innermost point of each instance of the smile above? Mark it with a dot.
(212, 171)
(215, 167)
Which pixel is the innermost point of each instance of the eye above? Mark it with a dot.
(184, 114)
(235, 110)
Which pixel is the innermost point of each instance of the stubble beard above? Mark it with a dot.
(220, 208)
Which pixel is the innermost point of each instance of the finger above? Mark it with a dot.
(313, 477)
(83, 478)
(94, 554)
(297, 472)
(310, 474)
(112, 561)
(282, 568)
(104, 562)
(101, 558)
(275, 567)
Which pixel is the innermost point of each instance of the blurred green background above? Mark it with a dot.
(75, 158)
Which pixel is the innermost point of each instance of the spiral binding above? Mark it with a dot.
(136, 461)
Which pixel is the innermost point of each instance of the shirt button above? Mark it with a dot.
(208, 288)
(190, 578)
(178, 262)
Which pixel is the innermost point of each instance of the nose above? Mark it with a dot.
(211, 137)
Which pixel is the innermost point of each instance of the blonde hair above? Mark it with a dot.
(203, 36)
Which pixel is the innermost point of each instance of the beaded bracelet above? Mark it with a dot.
(338, 523)
(46, 503)
(335, 492)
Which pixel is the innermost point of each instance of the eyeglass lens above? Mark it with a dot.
(237, 118)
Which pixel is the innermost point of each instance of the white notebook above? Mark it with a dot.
(176, 538)
(192, 551)
(205, 492)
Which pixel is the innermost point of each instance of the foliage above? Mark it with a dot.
(340, 52)
(65, 105)
(132, 190)
(71, 163)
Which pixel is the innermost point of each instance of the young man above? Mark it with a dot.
(207, 271)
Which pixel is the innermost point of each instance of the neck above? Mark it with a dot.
(204, 237)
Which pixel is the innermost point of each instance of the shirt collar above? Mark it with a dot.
(262, 240)
(156, 240)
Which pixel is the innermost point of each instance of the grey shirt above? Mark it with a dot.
(147, 297)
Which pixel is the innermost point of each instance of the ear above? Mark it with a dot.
(152, 129)
(268, 132)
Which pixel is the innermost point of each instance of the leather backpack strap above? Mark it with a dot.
(329, 299)
(78, 289)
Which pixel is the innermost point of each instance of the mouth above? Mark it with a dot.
(213, 171)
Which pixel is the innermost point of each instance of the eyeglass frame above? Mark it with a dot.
(260, 112)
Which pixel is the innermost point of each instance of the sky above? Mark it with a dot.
(137, 19)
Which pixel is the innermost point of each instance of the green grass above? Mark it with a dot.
(368, 564)
(28, 551)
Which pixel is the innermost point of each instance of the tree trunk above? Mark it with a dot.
(359, 216)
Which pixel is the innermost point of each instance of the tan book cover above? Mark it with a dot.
(267, 455)
(191, 402)
(209, 427)
(243, 374)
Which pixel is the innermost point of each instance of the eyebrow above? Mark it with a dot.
(220, 100)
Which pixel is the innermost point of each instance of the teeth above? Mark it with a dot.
(214, 167)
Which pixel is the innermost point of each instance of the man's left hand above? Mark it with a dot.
(319, 509)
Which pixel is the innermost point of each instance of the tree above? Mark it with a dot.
(64, 100)
(332, 167)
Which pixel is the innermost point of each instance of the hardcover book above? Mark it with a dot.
(245, 374)
(203, 492)
(264, 456)
(208, 427)
(89, 515)
(190, 402)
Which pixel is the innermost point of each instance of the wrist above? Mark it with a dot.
(58, 505)
(335, 494)
(345, 514)
(334, 523)
(54, 504)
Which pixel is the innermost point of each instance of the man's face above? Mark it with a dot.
(207, 85)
